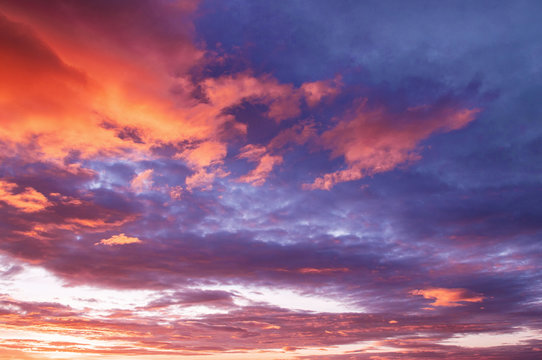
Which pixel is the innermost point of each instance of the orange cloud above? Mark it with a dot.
(80, 98)
(120, 239)
(114, 101)
(377, 140)
(448, 297)
(109, 98)
(206, 154)
(97, 224)
(113, 97)
(29, 200)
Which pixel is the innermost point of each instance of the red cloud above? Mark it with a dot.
(76, 89)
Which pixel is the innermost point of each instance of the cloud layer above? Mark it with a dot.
(240, 180)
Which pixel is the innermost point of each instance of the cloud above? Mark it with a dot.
(176, 192)
(120, 239)
(142, 181)
(283, 100)
(206, 160)
(154, 101)
(113, 99)
(29, 200)
(316, 91)
(448, 297)
(193, 297)
(378, 140)
(266, 163)
(205, 154)
(298, 134)
(268, 157)
(116, 102)
(258, 175)
(322, 271)
(250, 328)
(76, 92)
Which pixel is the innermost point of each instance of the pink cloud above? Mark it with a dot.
(266, 163)
(315, 91)
(251, 328)
(142, 181)
(298, 134)
(252, 152)
(268, 157)
(283, 99)
(378, 140)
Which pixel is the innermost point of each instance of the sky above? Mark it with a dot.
(275, 180)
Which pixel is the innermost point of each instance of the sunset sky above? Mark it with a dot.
(274, 180)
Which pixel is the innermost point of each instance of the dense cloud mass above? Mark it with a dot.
(270, 180)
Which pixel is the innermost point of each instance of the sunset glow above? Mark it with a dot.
(274, 180)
